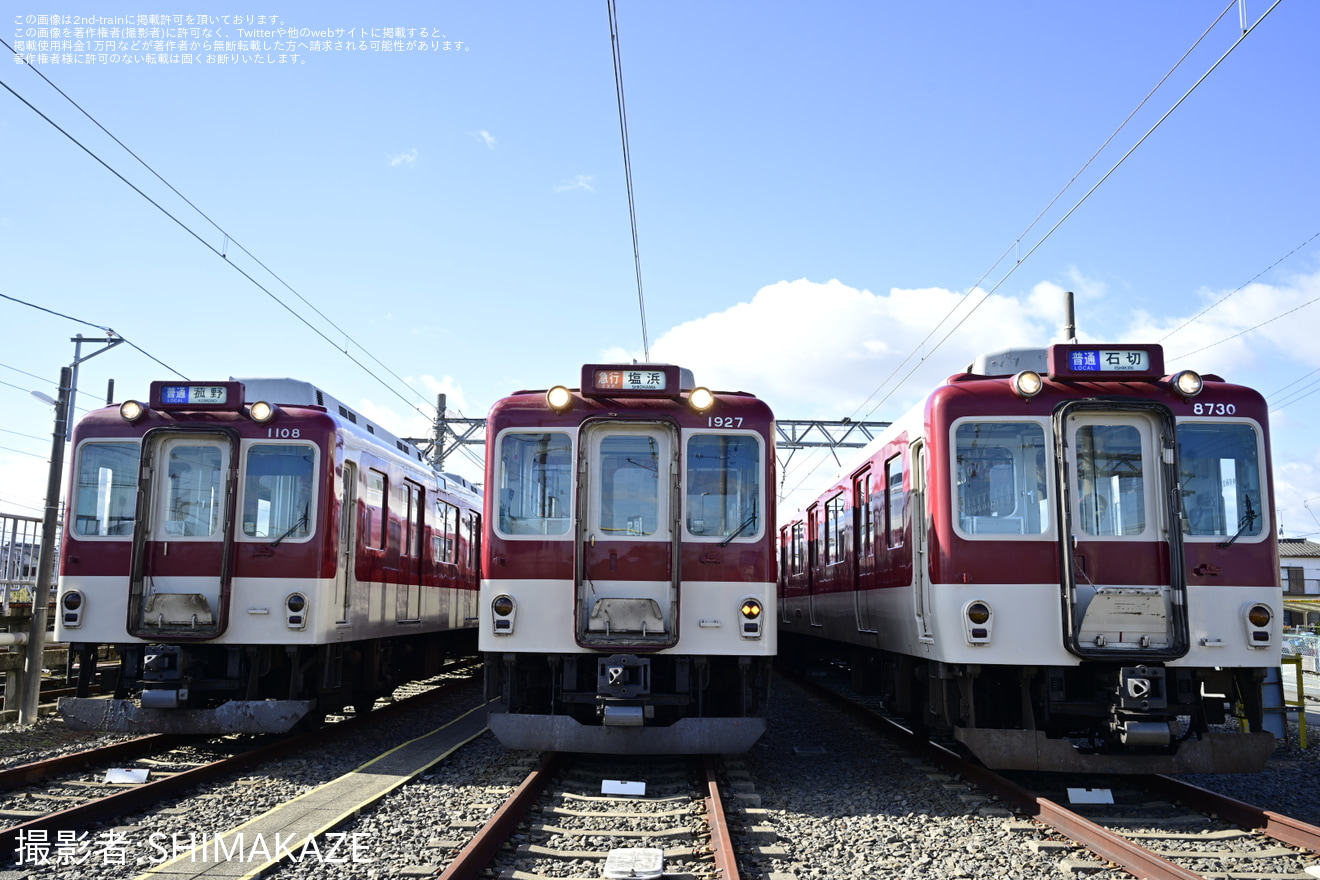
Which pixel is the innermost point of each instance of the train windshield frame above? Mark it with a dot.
(105, 493)
(535, 480)
(1002, 478)
(723, 491)
(1221, 474)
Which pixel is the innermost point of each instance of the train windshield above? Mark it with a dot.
(723, 485)
(1002, 474)
(106, 496)
(1111, 481)
(536, 483)
(277, 491)
(629, 484)
(1219, 469)
(192, 500)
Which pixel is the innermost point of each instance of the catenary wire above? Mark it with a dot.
(627, 170)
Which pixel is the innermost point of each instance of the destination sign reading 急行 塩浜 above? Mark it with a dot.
(630, 380)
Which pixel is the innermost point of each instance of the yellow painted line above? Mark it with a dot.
(290, 831)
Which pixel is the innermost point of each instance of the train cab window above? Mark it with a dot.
(193, 496)
(535, 483)
(374, 501)
(1219, 469)
(106, 496)
(278, 491)
(629, 484)
(1111, 480)
(1001, 474)
(723, 482)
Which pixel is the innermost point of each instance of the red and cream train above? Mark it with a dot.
(257, 554)
(627, 604)
(1063, 558)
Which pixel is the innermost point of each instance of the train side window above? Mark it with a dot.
(444, 534)
(1219, 469)
(862, 502)
(535, 483)
(412, 538)
(277, 491)
(1001, 476)
(798, 545)
(835, 522)
(723, 486)
(106, 497)
(374, 500)
(894, 499)
(474, 541)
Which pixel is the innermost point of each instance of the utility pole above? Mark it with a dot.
(36, 644)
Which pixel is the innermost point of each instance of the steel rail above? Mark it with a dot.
(471, 861)
(117, 804)
(1282, 828)
(721, 841)
(26, 774)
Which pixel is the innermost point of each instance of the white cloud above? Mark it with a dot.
(485, 137)
(581, 181)
(407, 158)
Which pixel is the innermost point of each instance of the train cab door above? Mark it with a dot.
(627, 590)
(1124, 582)
(183, 541)
(348, 514)
(863, 551)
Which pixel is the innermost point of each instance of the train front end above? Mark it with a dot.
(628, 577)
(1104, 581)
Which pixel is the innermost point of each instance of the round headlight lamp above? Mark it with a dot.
(72, 600)
(261, 411)
(132, 410)
(295, 602)
(1189, 383)
(558, 398)
(1027, 384)
(502, 605)
(978, 613)
(1260, 615)
(701, 399)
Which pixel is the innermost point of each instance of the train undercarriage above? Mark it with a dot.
(217, 689)
(629, 703)
(1094, 717)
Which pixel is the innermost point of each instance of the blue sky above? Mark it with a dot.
(817, 187)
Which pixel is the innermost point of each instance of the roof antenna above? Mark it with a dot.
(1070, 327)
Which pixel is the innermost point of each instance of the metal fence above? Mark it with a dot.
(1305, 646)
(20, 549)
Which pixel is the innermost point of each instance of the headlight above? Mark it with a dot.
(1260, 615)
(261, 411)
(558, 398)
(750, 625)
(1189, 383)
(1027, 384)
(978, 612)
(72, 604)
(978, 622)
(504, 609)
(751, 609)
(295, 616)
(701, 399)
(132, 410)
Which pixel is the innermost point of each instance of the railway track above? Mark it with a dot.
(593, 816)
(1157, 827)
(75, 791)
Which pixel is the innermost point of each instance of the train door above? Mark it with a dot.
(184, 534)
(863, 550)
(627, 585)
(410, 553)
(348, 514)
(816, 558)
(920, 539)
(1124, 583)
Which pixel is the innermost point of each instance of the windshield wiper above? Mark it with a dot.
(1248, 520)
(738, 531)
(302, 522)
